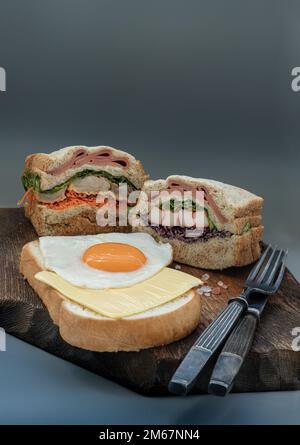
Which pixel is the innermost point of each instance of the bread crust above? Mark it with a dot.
(216, 253)
(102, 334)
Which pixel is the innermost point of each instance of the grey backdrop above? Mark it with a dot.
(192, 87)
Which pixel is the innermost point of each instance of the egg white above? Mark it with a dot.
(63, 255)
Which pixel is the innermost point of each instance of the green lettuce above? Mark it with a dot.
(174, 205)
(32, 180)
(210, 221)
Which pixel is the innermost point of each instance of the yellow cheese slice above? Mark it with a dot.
(165, 286)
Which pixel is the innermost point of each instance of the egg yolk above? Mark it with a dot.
(114, 257)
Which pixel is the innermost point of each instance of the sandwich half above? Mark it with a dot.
(84, 328)
(232, 223)
(61, 187)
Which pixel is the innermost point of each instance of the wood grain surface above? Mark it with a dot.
(270, 365)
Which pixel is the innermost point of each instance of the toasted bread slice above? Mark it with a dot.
(85, 329)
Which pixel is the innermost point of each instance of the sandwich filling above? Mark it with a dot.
(190, 236)
(188, 232)
(81, 188)
(79, 179)
(208, 199)
(177, 218)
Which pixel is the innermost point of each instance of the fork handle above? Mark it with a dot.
(232, 356)
(205, 346)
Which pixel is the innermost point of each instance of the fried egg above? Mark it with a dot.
(105, 261)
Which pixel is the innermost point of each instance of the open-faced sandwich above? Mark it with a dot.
(62, 187)
(112, 292)
(232, 225)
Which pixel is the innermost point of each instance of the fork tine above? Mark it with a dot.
(281, 272)
(275, 268)
(267, 268)
(258, 265)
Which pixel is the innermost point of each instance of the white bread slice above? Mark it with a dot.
(43, 163)
(85, 329)
(216, 253)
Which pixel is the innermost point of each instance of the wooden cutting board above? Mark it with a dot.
(271, 364)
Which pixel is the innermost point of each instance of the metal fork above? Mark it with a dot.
(240, 340)
(265, 277)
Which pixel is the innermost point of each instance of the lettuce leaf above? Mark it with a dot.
(174, 205)
(32, 180)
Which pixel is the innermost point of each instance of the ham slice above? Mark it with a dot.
(207, 196)
(82, 157)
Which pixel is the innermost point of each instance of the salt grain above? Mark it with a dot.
(206, 289)
(205, 277)
(223, 285)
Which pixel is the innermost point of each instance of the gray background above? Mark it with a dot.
(191, 87)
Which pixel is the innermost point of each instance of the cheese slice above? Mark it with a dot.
(163, 287)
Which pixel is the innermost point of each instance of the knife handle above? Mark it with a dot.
(205, 346)
(232, 356)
